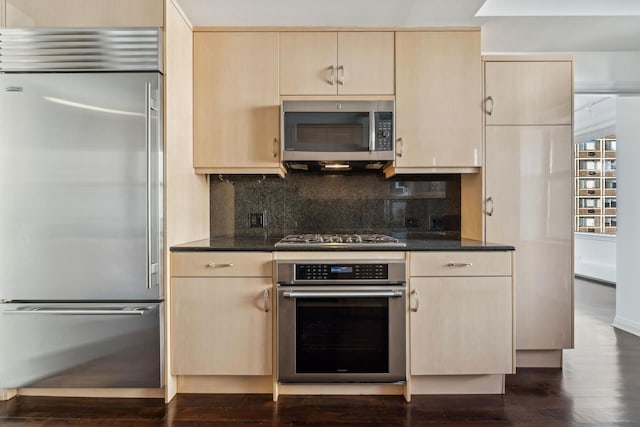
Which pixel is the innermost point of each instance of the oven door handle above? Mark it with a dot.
(343, 294)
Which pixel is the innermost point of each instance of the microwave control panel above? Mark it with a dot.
(384, 131)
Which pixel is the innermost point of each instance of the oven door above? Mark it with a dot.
(341, 334)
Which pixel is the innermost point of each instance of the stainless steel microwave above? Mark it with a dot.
(335, 131)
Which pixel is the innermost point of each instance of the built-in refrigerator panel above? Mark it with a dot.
(81, 345)
(81, 186)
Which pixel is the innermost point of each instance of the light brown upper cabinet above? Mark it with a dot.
(528, 93)
(343, 63)
(438, 101)
(236, 102)
(83, 13)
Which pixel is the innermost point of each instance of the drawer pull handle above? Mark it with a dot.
(213, 265)
(459, 264)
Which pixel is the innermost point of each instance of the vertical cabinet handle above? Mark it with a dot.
(416, 306)
(341, 79)
(275, 148)
(489, 105)
(265, 305)
(490, 209)
(332, 77)
(399, 147)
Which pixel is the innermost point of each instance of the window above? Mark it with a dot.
(595, 185)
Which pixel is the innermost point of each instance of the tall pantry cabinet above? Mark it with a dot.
(528, 195)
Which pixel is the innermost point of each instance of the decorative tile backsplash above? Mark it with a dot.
(308, 202)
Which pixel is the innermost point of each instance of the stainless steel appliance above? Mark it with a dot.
(338, 131)
(340, 240)
(341, 321)
(81, 178)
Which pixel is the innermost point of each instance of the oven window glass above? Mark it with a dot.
(342, 335)
(327, 132)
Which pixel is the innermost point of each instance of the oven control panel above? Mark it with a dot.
(342, 271)
(339, 272)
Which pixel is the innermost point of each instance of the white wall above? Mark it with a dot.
(628, 239)
(606, 72)
(595, 256)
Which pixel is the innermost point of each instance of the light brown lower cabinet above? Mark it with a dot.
(221, 326)
(461, 313)
(463, 325)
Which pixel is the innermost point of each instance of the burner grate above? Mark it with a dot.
(339, 240)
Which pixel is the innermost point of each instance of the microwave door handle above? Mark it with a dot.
(372, 130)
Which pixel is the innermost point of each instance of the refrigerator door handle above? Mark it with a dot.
(147, 113)
(128, 311)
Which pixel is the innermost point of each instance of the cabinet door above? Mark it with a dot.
(219, 326)
(438, 99)
(308, 63)
(528, 93)
(529, 177)
(236, 101)
(462, 326)
(366, 63)
(83, 13)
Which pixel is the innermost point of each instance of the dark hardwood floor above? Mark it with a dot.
(599, 386)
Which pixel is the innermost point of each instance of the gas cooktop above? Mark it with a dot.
(339, 240)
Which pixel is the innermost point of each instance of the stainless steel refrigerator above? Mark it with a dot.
(81, 250)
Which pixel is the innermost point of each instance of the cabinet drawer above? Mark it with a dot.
(464, 263)
(221, 264)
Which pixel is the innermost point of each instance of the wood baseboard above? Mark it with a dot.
(225, 384)
(458, 384)
(94, 392)
(539, 358)
(7, 393)
(341, 389)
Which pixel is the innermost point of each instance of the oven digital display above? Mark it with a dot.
(342, 271)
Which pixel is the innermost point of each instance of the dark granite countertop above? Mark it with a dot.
(419, 243)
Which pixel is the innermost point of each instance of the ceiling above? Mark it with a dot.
(507, 25)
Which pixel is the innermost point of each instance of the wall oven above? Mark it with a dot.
(341, 321)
